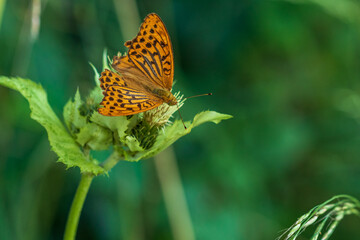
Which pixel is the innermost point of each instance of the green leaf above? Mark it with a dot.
(72, 116)
(133, 144)
(96, 95)
(96, 75)
(115, 124)
(94, 136)
(60, 140)
(175, 131)
(86, 133)
(105, 60)
(105, 66)
(209, 116)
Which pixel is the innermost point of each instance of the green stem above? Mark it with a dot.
(77, 205)
(80, 195)
(112, 160)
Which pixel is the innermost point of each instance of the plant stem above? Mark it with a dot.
(80, 195)
(111, 161)
(174, 195)
(77, 205)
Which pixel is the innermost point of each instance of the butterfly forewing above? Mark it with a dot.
(127, 69)
(151, 52)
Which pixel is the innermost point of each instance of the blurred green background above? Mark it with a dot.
(288, 71)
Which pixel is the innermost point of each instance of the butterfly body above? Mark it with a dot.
(144, 77)
(165, 95)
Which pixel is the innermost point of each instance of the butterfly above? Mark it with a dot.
(144, 77)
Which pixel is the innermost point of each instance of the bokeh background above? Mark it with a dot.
(288, 71)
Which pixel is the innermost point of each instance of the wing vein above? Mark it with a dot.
(158, 53)
(150, 65)
(144, 68)
(155, 63)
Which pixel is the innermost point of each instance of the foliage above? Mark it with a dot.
(61, 142)
(327, 215)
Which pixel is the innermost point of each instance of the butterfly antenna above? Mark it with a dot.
(205, 94)
(180, 115)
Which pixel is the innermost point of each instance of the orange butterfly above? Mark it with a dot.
(147, 73)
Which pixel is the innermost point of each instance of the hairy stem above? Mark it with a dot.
(77, 205)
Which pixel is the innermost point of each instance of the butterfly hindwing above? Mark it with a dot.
(121, 101)
(150, 52)
(109, 78)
